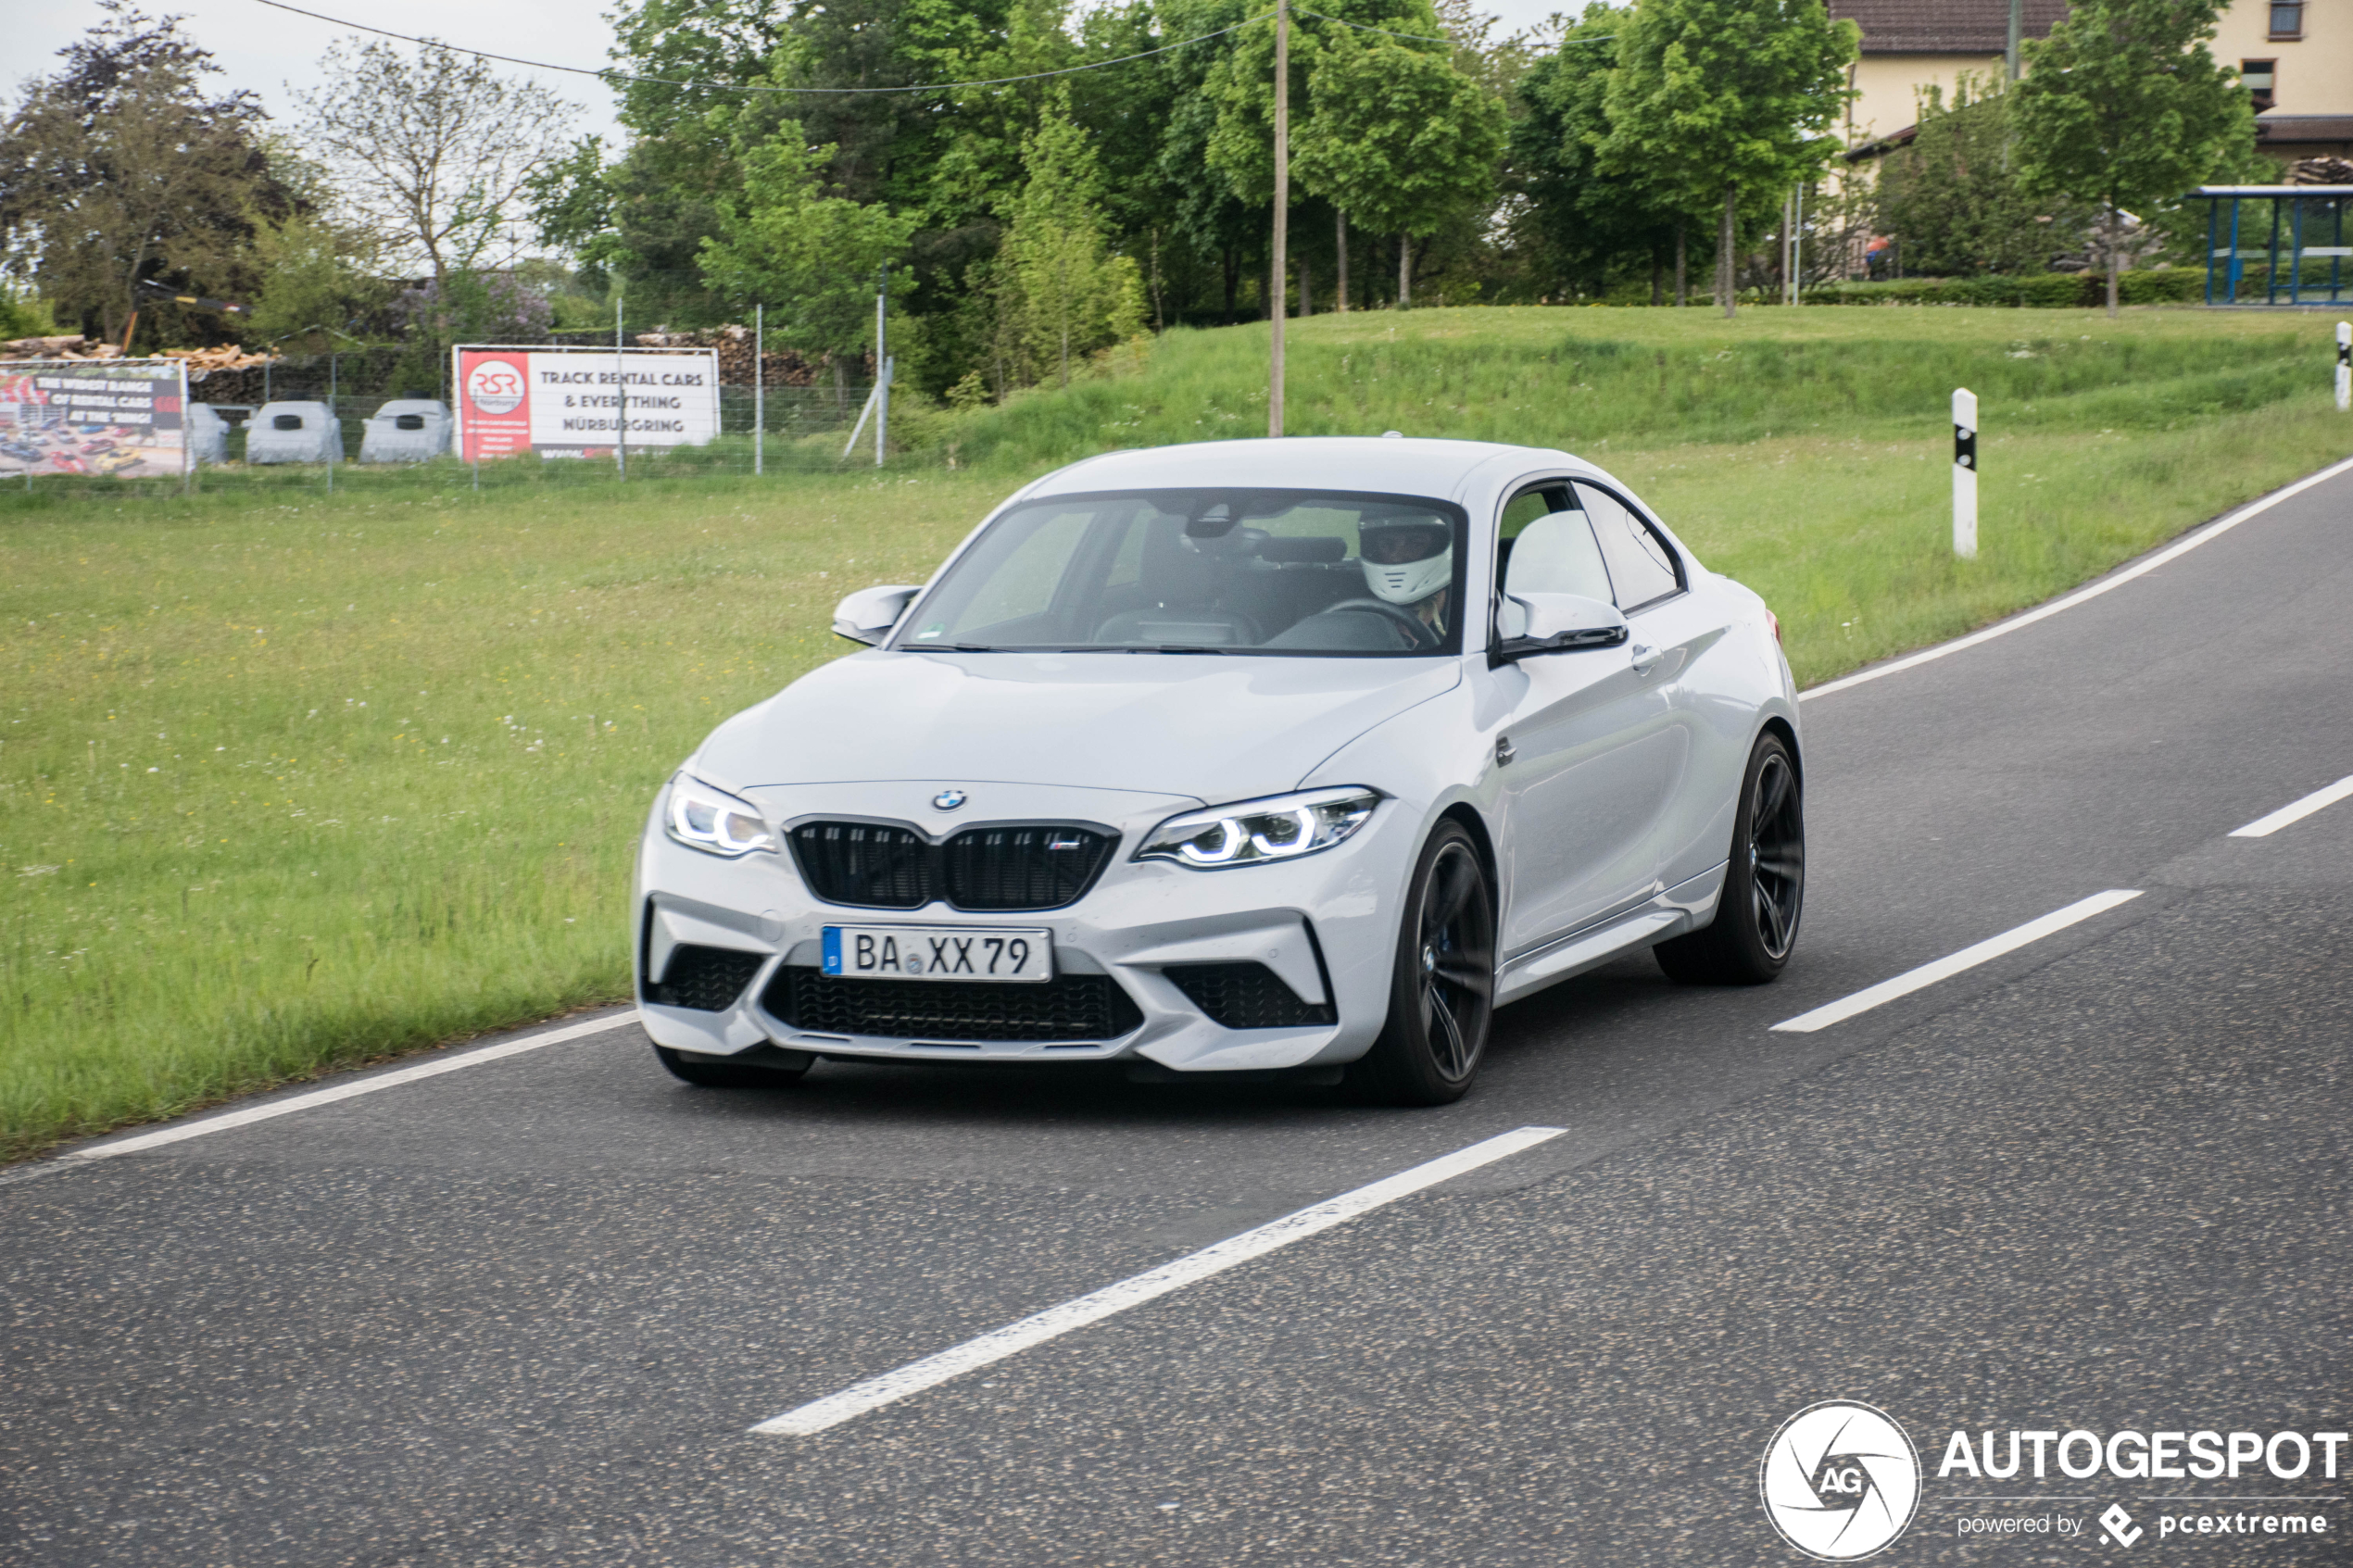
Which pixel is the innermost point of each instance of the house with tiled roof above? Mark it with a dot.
(2296, 58)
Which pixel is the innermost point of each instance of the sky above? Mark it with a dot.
(276, 54)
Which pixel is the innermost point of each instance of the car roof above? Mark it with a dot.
(1389, 464)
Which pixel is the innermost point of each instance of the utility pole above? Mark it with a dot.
(1276, 278)
(2018, 25)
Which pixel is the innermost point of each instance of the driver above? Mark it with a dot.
(1409, 561)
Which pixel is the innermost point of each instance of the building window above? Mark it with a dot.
(2288, 18)
(2256, 75)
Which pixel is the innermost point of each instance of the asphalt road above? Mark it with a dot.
(525, 1313)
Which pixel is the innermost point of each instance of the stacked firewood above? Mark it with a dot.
(778, 367)
(71, 346)
(203, 362)
(2320, 171)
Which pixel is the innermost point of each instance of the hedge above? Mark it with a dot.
(2055, 291)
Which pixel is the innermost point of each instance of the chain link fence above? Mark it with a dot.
(799, 426)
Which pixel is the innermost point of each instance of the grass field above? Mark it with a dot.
(289, 782)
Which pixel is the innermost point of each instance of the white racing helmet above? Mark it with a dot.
(1406, 558)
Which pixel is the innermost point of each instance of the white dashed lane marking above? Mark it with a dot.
(1946, 968)
(2294, 811)
(1014, 1338)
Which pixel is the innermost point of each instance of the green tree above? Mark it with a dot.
(1573, 223)
(809, 255)
(119, 170)
(1954, 198)
(643, 212)
(1204, 211)
(1716, 100)
(1399, 138)
(315, 275)
(1060, 289)
(2124, 105)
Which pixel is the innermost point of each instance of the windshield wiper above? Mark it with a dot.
(1076, 647)
(1137, 647)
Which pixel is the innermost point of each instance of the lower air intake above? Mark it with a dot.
(1245, 996)
(706, 979)
(1070, 1007)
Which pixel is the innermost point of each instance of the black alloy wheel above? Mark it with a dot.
(1755, 929)
(1442, 996)
(719, 1072)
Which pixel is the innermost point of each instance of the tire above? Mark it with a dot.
(705, 1073)
(1443, 989)
(1755, 929)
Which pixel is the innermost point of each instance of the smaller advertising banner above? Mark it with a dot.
(121, 417)
(569, 403)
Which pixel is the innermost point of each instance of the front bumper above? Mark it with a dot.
(1325, 925)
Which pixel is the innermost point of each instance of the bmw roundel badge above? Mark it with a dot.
(949, 799)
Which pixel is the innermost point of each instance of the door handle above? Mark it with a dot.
(1503, 752)
(1646, 659)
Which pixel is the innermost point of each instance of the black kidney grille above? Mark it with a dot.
(876, 866)
(1070, 1007)
(1021, 868)
(880, 868)
(707, 979)
(1245, 996)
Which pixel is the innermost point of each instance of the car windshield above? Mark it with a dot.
(1218, 572)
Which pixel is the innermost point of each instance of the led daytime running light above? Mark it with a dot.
(1254, 832)
(714, 821)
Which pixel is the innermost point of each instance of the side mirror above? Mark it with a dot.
(1533, 623)
(868, 615)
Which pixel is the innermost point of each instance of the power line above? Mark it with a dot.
(1362, 27)
(615, 76)
(1425, 37)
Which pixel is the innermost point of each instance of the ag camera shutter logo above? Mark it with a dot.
(495, 387)
(1840, 1481)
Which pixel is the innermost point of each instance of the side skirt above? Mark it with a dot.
(1671, 913)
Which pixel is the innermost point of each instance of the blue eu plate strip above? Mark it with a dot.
(833, 949)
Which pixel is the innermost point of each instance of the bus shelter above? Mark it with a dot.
(2277, 244)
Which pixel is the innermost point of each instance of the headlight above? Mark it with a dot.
(714, 821)
(1255, 831)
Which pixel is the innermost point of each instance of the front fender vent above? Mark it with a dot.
(1245, 996)
(706, 979)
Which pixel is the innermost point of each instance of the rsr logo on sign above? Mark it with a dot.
(495, 387)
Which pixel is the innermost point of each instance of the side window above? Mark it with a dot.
(1546, 546)
(1641, 565)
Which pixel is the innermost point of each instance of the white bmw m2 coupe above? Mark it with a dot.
(1238, 757)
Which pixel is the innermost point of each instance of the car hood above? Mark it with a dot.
(1213, 727)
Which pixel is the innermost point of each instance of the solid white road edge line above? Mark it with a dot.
(1946, 968)
(2294, 811)
(1035, 1329)
(2180, 547)
(287, 1107)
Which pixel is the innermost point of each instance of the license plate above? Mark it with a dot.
(938, 952)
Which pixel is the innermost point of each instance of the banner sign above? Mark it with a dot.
(93, 416)
(566, 403)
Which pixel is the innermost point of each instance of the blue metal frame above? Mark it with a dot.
(2298, 202)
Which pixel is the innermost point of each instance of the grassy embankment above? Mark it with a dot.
(287, 782)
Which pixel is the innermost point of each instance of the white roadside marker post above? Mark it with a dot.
(2344, 365)
(1964, 473)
